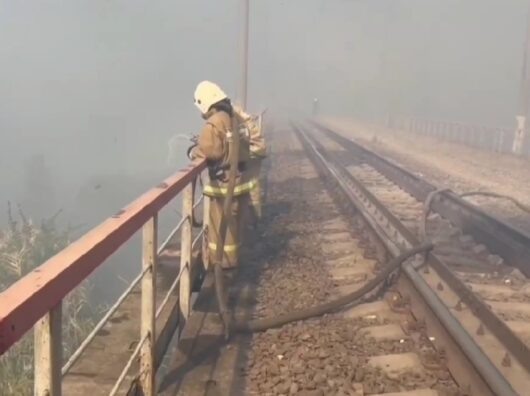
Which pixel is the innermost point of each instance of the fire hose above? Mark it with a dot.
(427, 206)
(352, 298)
(259, 325)
(220, 291)
(302, 314)
(226, 216)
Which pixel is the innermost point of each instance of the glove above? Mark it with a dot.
(195, 141)
(189, 153)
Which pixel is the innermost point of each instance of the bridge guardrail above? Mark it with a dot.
(35, 301)
(483, 137)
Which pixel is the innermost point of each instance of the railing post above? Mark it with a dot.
(147, 353)
(205, 225)
(185, 252)
(496, 141)
(488, 139)
(48, 352)
(501, 144)
(519, 135)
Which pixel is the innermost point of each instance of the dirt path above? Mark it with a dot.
(448, 164)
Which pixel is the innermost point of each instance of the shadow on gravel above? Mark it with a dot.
(262, 249)
(206, 349)
(207, 353)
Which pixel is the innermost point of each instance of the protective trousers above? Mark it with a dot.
(233, 231)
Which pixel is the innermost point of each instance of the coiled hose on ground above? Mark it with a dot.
(357, 296)
(353, 298)
(428, 203)
(259, 325)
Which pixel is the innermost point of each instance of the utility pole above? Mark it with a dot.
(244, 53)
(315, 107)
(522, 127)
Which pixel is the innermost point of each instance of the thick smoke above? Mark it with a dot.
(92, 92)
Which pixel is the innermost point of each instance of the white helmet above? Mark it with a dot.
(207, 94)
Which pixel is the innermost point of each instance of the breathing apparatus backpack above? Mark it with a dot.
(250, 132)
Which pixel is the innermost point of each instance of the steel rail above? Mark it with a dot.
(489, 374)
(498, 327)
(177, 228)
(73, 358)
(175, 283)
(128, 366)
(510, 243)
(77, 354)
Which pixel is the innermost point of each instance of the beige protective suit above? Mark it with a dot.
(258, 151)
(213, 145)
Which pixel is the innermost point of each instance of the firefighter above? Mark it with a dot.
(253, 132)
(213, 145)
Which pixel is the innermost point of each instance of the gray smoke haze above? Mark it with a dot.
(91, 91)
(453, 59)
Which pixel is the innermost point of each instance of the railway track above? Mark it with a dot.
(374, 348)
(333, 218)
(483, 298)
(313, 248)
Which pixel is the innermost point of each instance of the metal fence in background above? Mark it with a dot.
(483, 137)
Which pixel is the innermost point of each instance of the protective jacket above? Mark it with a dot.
(213, 144)
(251, 130)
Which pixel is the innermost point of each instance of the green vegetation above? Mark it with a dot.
(23, 247)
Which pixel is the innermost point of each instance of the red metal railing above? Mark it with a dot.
(36, 299)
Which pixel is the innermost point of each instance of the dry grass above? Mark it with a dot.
(23, 247)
